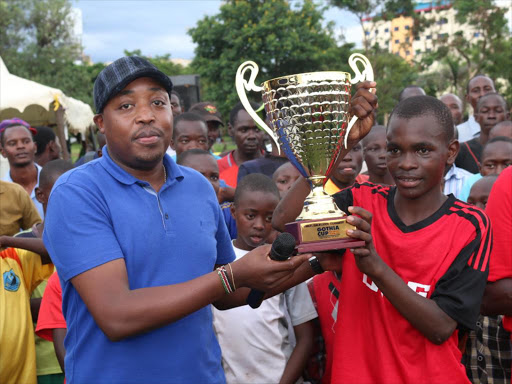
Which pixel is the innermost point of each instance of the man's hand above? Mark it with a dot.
(256, 269)
(367, 259)
(363, 105)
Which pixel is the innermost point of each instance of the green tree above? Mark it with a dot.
(281, 39)
(163, 63)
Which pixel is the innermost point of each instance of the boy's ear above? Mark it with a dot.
(233, 210)
(453, 151)
(40, 195)
(172, 144)
(230, 130)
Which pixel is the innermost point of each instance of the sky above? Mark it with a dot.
(160, 27)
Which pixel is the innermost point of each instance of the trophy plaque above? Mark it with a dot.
(309, 118)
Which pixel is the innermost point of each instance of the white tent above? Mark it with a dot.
(36, 103)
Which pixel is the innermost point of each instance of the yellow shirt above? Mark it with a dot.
(17, 211)
(21, 272)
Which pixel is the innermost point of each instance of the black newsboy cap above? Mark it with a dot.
(113, 78)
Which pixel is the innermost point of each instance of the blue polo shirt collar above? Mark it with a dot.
(174, 173)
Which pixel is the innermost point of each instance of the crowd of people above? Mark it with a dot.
(134, 265)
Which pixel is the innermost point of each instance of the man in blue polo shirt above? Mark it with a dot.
(135, 239)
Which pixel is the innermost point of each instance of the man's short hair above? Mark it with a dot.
(15, 122)
(52, 170)
(486, 96)
(406, 88)
(255, 182)
(43, 137)
(187, 116)
(497, 139)
(183, 156)
(418, 106)
(474, 77)
(233, 115)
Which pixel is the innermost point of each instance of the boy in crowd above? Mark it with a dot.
(255, 343)
(209, 112)
(245, 133)
(412, 304)
(501, 129)
(480, 191)
(19, 148)
(176, 104)
(48, 369)
(204, 163)
(189, 132)
(454, 104)
(490, 110)
(48, 147)
(477, 86)
(347, 172)
(498, 293)
(496, 156)
(284, 177)
(374, 153)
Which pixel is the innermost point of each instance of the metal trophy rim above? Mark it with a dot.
(309, 77)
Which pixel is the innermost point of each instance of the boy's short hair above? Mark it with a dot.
(239, 107)
(186, 116)
(418, 106)
(52, 170)
(486, 96)
(497, 139)
(42, 138)
(255, 182)
(183, 156)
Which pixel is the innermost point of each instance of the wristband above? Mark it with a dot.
(315, 265)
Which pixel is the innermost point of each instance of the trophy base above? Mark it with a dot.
(322, 235)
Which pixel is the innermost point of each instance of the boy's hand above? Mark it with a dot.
(256, 269)
(367, 259)
(363, 105)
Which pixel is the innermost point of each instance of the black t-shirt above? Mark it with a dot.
(470, 155)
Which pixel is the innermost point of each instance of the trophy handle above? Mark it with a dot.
(366, 75)
(242, 86)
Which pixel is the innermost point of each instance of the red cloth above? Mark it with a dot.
(50, 312)
(443, 258)
(499, 209)
(327, 290)
(228, 169)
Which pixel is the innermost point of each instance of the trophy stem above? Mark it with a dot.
(318, 204)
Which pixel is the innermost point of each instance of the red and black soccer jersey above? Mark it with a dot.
(444, 258)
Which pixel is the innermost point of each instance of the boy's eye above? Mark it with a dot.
(125, 106)
(158, 102)
(282, 181)
(214, 178)
(423, 151)
(490, 166)
(393, 151)
(184, 141)
(249, 216)
(268, 219)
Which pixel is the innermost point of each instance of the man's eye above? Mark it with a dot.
(249, 216)
(158, 103)
(490, 166)
(184, 141)
(125, 106)
(214, 178)
(423, 151)
(393, 151)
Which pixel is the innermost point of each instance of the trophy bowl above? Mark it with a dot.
(309, 117)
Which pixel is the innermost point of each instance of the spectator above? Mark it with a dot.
(18, 146)
(190, 132)
(347, 172)
(245, 132)
(374, 154)
(284, 177)
(262, 335)
(480, 191)
(176, 104)
(490, 110)
(454, 104)
(48, 147)
(503, 129)
(410, 91)
(91, 155)
(496, 156)
(211, 115)
(477, 86)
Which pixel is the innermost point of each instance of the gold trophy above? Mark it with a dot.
(309, 117)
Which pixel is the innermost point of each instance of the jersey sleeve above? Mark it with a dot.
(34, 272)
(344, 199)
(499, 210)
(460, 290)
(50, 312)
(300, 306)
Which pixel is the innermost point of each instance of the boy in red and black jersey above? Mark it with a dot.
(420, 278)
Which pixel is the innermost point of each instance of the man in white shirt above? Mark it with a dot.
(478, 86)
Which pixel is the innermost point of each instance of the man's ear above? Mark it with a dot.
(230, 130)
(453, 151)
(172, 144)
(98, 120)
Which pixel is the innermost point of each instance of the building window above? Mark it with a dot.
(442, 36)
(476, 34)
(429, 37)
(367, 33)
(407, 53)
(444, 20)
(407, 27)
(397, 41)
(418, 51)
(396, 28)
(417, 38)
(386, 30)
(429, 49)
(407, 39)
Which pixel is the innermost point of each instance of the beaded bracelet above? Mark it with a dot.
(221, 271)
